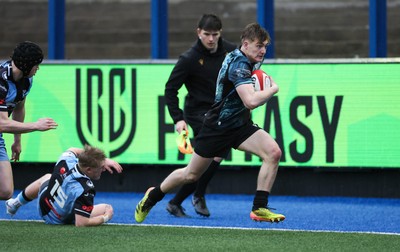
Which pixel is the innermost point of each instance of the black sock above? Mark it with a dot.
(183, 193)
(156, 195)
(260, 200)
(205, 179)
(25, 197)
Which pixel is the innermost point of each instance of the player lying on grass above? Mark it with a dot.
(66, 196)
(228, 125)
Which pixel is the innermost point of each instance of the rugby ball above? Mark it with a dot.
(260, 79)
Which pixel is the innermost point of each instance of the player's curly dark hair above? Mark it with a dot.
(91, 157)
(26, 55)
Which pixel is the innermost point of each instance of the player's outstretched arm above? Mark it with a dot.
(8, 125)
(101, 213)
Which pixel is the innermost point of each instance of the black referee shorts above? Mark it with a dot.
(195, 120)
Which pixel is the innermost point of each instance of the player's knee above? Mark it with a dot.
(191, 178)
(273, 155)
(6, 194)
(276, 154)
(110, 210)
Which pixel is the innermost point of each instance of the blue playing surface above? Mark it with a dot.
(302, 213)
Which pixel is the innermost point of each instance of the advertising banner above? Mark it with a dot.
(325, 114)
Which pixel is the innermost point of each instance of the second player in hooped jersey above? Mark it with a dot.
(67, 195)
(69, 192)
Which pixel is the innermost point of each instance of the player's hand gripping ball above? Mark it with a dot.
(260, 79)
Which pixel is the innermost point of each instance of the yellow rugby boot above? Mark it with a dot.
(143, 207)
(265, 214)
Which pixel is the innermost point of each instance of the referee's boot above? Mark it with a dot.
(200, 206)
(176, 210)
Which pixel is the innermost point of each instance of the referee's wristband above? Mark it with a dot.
(105, 218)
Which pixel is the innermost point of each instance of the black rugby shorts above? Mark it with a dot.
(212, 142)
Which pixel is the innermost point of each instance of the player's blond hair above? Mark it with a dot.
(91, 157)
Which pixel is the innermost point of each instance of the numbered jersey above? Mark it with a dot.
(67, 193)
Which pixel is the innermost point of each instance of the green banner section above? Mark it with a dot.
(325, 115)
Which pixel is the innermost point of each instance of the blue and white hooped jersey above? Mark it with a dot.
(11, 92)
(69, 192)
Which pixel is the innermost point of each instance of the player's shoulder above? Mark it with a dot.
(77, 177)
(3, 79)
(5, 64)
(237, 57)
(3, 74)
(87, 184)
(69, 154)
(5, 71)
(4, 87)
(240, 66)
